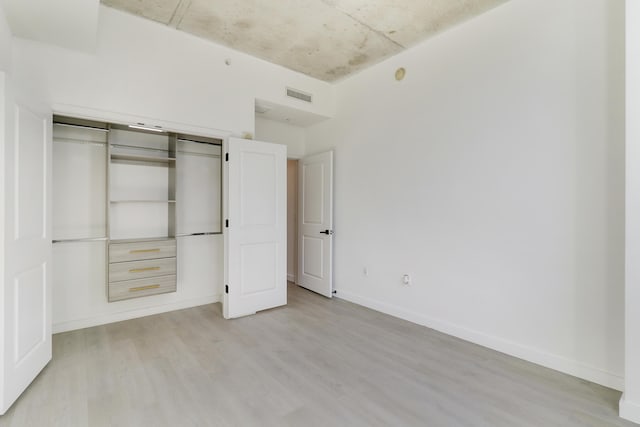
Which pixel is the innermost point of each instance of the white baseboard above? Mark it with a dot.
(72, 325)
(530, 354)
(291, 278)
(629, 410)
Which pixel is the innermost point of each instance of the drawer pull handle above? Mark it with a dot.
(143, 288)
(142, 270)
(141, 251)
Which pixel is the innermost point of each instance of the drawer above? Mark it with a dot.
(141, 287)
(133, 251)
(141, 269)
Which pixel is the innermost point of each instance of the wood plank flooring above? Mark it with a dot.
(315, 362)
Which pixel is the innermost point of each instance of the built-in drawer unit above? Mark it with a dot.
(141, 287)
(135, 251)
(131, 270)
(141, 268)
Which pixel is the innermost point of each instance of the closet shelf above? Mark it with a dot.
(141, 158)
(83, 127)
(138, 147)
(142, 239)
(142, 201)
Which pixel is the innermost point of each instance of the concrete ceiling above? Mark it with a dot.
(325, 39)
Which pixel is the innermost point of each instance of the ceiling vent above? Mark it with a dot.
(297, 94)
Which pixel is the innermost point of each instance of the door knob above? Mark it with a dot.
(327, 232)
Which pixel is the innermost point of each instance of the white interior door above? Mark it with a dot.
(256, 232)
(315, 223)
(25, 234)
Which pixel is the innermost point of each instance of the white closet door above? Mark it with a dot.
(256, 236)
(25, 231)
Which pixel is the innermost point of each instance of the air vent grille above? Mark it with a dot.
(302, 96)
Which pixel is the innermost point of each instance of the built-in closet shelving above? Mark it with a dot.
(142, 213)
(136, 214)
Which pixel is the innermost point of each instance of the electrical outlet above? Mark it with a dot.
(406, 279)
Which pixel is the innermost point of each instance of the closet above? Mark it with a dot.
(123, 198)
(104, 222)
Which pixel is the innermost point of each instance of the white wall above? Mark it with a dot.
(5, 42)
(145, 69)
(281, 133)
(70, 23)
(630, 402)
(494, 175)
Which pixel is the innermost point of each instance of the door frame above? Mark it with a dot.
(295, 222)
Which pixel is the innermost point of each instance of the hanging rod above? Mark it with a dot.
(79, 141)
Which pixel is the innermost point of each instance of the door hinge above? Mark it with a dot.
(226, 289)
(226, 223)
(226, 157)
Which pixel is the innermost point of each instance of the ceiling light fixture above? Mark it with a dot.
(142, 127)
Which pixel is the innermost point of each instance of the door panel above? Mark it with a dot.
(313, 178)
(30, 168)
(313, 248)
(30, 325)
(257, 189)
(259, 268)
(25, 228)
(315, 223)
(255, 239)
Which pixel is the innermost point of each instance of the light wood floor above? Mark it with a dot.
(314, 362)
